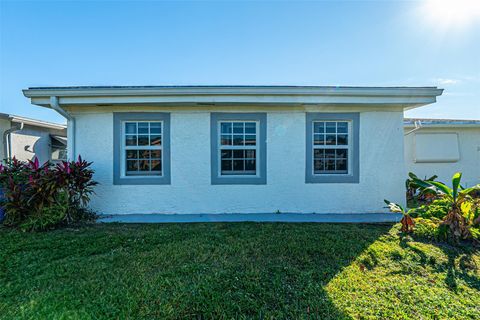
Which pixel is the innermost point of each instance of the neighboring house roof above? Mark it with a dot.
(33, 122)
(59, 140)
(103, 96)
(440, 123)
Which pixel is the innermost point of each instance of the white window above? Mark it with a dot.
(331, 147)
(238, 148)
(142, 148)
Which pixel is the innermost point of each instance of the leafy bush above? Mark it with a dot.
(459, 217)
(83, 214)
(77, 180)
(431, 228)
(47, 218)
(428, 219)
(475, 231)
(452, 213)
(437, 209)
(415, 194)
(43, 197)
(471, 212)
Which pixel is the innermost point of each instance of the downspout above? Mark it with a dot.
(55, 105)
(7, 141)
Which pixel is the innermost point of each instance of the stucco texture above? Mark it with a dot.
(33, 142)
(382, 169)
(469, 155)
(4, 125)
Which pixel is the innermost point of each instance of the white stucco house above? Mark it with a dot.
(239, 149)
(26, 138)
(442, 147)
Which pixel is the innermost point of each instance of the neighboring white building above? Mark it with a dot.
(25, 138)
(443, 147)
(239, 149)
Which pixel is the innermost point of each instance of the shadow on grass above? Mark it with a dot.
(460, 270)
(459, 264)
(221, 270)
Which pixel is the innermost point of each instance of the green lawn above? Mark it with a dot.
(234, 270)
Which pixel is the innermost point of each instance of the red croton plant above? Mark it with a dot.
(29, 188)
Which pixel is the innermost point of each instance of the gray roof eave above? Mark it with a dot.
(441, 123)
(229, 90)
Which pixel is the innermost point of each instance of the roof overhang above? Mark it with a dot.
(399, 97)
(440, 123)
(58, 141)
(32, 122)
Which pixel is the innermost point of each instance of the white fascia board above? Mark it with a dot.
(406, 97)
(445, 125)
(239, 90)
(37, 123)
(441, 123)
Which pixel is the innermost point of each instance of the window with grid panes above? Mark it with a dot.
(331, 147)
(143, 148)
(238, 147)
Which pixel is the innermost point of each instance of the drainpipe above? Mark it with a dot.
(418, 126)
(55, 105)
(7, 141)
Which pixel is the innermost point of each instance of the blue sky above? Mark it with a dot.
(364, 43)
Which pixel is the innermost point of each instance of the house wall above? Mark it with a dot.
(38, 141)
(469, 152)
(4, 125)
(382, 170)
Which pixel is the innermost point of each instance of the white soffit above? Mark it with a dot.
(404, 97)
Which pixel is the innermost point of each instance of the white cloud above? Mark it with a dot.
(445, 81)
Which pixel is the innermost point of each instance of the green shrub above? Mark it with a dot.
(471, 211)
(437, 209)
(46, 218)
(416, 195)
(430, 229)
(462, 210)
(83, 214)
(475, 231)
(428, 219)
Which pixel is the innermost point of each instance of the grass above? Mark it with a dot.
(234, 270)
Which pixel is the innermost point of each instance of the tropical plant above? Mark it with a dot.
(459, 199)
(406, 221)
(38, 197)
(13, 180)
(471, 213)
(76, 177)
(415, 192)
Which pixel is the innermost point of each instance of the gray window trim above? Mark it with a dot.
(352, 177)
(261, 177)
(118, 118)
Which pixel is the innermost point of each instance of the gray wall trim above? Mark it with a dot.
(261, 178)
(118, 117)
(354, 176)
